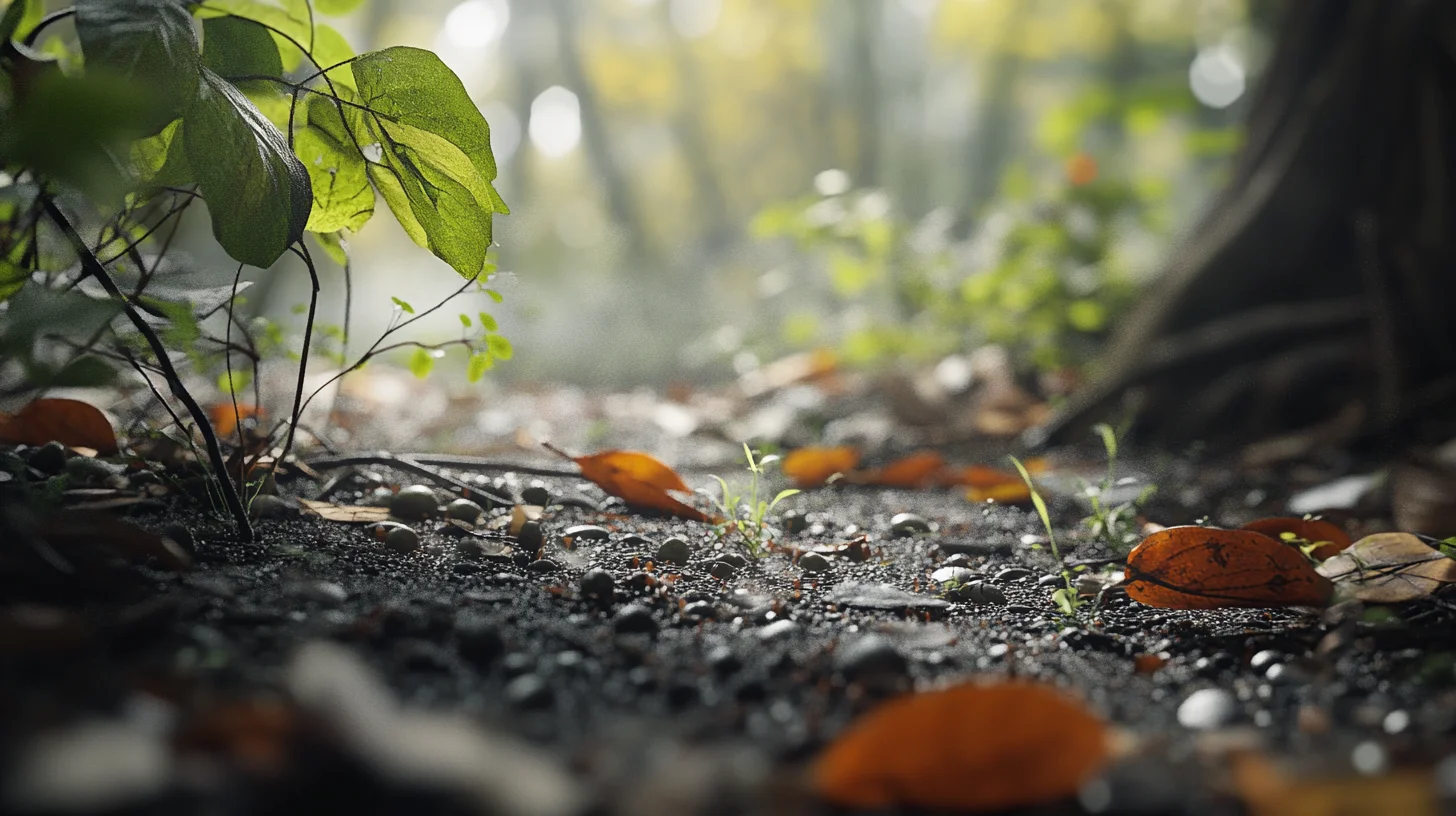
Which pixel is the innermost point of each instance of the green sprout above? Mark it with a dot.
(746, 514)
(1065, 598)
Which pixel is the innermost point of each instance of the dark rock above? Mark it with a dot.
(722, 570)
(543, 565)
(724, 661)
(531, 536)
(264, 506)
(464, 510)
(401, 539)
(1011, 574)
(1053, 580)
(674, 551)
(734, 559)
(635, 619)
(598, 585)
(530, 691)
(536, 495)
(49, 458)
(698, 611)
(813, 562)
(904, 525)
(416, 503)
(870, 657)
(883, 596)
(794, 522)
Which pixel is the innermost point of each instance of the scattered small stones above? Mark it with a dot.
(813, 562)
(537, 495)
(1207, 709)
(416, 503)
(905, 525)
(674, 551)
(402, 539)
(586, 532)
(464, 510)
(635, 619)
(1011, 574)
(598, 584)
(885, 597)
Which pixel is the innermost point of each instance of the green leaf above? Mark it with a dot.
(13, 278)
(235, 382)
(488, 323)
(71, 128)
(336, 8)
(414, 87)
(150, 42)
(421, 363)
(480, 362)
(257, 191)
(500, 348)
(342, 197)
(330, 48)
(495, 296)
(15, 14)
(1109, 439)
(408, 309)
(334, 246)
(160, 159)
(235, 47)
(289, 21)
(465, 321)
(83, 372)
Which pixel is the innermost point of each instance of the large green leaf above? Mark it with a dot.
(413, 87)
(149, 42)
(330, 48)
(342, 197)
(235, 47)
(288, 22)
(257, 191)
(13, 278)
(336, 8)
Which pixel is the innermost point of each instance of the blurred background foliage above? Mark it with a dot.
(701, 185)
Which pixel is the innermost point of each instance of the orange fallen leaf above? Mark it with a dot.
(1329, 537)
(640, 480)
(965, 748)
(919, 469)
(1207, 568)
(71, 422)
(345, 514)
(812, 467)
(225, 419)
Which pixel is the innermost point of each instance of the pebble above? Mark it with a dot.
(1262, 660)
(402, 539)
(543, 565)
(904, 525)
(734, 559)
(529, 691)
(724, 661)
(870, 657)
(268, 507)
(537, 495)
(598, 584)
(49, 458)
(1050, 580)
(464, 510)
(778, 630)
(325, 593)
(586, 532)
(978, 592)
(531, 537)
(957, 560)
(1011, 574)
(416, 502)
(1207, 709)
(698, 611)
(960, 575)
(813, 562)
(883, 596)
(635, 619)
(722, 570)
(638, 540)
(794, 522)
(674, 551)
(94, 472)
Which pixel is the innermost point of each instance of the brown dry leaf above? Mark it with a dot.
(522, 513)
(640, 480)
(345, 514)
(965, 748)
(1207, 568)
(1329, 537)
(919, 469)
(812, 467)
(1389, 568)
(225, 416)
(253, 733)
(71, 422)
(1268, 788)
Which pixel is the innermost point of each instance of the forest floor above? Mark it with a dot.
(327, 666)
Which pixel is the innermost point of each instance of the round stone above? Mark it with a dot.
(872, 656)
(1052, 580)
(598, 584)
(698, 611)
(543, 565)
(529, 691)
(794, 522)
(737, 561)
(637, 540)
(957, 560)
(722, 570)
(1011, 574)
(1208, 709)
(464, 510)
(904, 525)
(537, 495)
(268, 507)
(49, 458)
(416, 502)
(635, 619)
(959, 575)
(402, 539)
(674, 551)
(1262, 660)
(813, 562)
(531, 537)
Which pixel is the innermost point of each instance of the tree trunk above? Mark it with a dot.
(1320, 281)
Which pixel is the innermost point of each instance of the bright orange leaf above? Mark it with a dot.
(640, 480)
(1330, 537)
(225, 419)
(919, 469)
(70, 422)
(1081, 169)
(1207, 568)
(965, 748)
(812, 467)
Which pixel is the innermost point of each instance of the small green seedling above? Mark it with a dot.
(1115, 526)
(746, 514)
(1065, 598)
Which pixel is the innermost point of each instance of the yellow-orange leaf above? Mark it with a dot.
(1207, 568)
(70, 422)
(965, 748)
(638, 479)
(917, 470)
(1330, 537)
(812, 467)
(225, 416)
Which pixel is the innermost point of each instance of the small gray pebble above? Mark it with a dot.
(586, 532)
(872, 656)
(637, 540)
(415, 502)
(957, 560)
(1265, 658)
(777, 630)
(464, 510)
(674, 551)
(1050, 581)
(543, 565)
(1208, 709)
(402, 539)
(813, 562)
(987, 594)
(904, 525)
(1011, 574)
(537, 495)
(698, 611)
(960, 575)
(529, 691)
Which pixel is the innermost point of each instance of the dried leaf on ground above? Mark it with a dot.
(345, 514)
(1389, 568)
(640, 480)
(1329, 537)
(225, 416)
(985, 483)
(1208, 568)
(919, 469)
(965, 748)
(71, 422)
(812, 467)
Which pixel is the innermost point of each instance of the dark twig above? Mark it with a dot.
(91, 266)
(476, 493)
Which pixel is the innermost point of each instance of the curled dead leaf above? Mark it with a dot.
(812, 467)
(1208, 568)
(71, 422)
(1389, 568)
(965, 748)
(640, 480)
(918, 470)
(1322, 538)
(345, 514)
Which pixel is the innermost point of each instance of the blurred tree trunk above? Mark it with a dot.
(1320, 283)
(717, 229)
(990, 141)
(865, 91)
